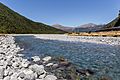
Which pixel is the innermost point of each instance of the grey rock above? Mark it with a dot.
(49, 64)
(46, 59)
(1, 72)
(42, 75)
(39, 69)
(36, 58)
(7, 78)
(25, 63)
(14, 76)
(22, 75)
(50, 77)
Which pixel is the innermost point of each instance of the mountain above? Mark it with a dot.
(12, 22)
(64, 28)
(90, 27)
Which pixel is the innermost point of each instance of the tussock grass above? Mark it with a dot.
(104, 34)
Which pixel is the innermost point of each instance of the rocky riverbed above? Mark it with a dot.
(14, 67)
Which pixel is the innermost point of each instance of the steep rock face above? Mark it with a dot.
(12, 22)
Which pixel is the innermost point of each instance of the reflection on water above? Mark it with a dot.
(103, 59)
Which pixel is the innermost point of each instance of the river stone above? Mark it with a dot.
(39, 69)
(39, 79)
(1, 62)
(29, 74)
(15, 65)
(6, 72)
(28, 71)
(29, 77)
(21, 75)
(36, 58)
(1, 72)
(14, 76)
(49, 64)
(9, 71)
(7, 78)
(20, 78)
(21, 55)
(50, 77)
(46, 59)
(25, 63)
(55, 65)
(42, 75)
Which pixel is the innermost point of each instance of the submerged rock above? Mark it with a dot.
(105, 78)
(86, 72)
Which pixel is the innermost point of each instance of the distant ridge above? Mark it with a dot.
(12, 22)
(64, 28)
(90, 27)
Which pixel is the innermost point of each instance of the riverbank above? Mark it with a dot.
(86, 39)
(14, 67)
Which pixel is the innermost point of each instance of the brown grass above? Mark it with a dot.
(104, 34)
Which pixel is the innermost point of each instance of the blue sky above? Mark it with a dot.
(66, 12)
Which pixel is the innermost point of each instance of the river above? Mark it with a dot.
(100, 54)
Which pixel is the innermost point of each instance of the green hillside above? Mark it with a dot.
(112, 26)
(12, 22)
(114, 23)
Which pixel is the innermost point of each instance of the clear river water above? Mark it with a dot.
(103, 59)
